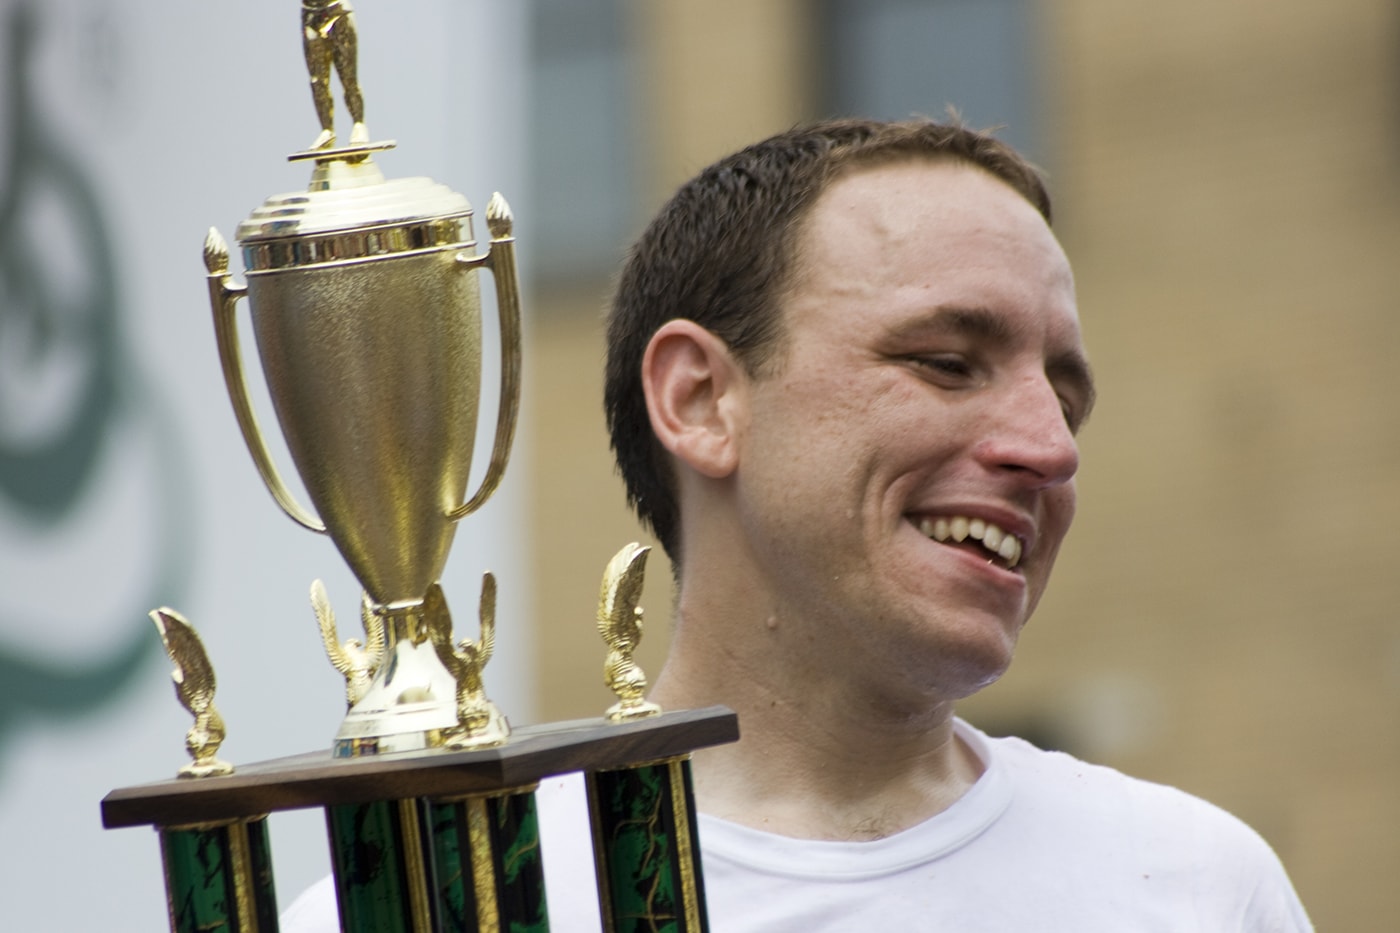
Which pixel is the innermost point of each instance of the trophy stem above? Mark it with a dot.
(412, 699)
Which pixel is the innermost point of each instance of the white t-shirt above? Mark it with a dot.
(1042, 842)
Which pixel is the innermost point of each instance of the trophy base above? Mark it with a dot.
(318, 779)
(445, 833)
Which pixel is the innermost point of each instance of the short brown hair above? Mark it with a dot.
(721, 251)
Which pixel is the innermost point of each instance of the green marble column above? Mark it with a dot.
(487, 873)
(380, 866)
(648, 861)
(218, 878)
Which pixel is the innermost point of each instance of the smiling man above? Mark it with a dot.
(845, 378)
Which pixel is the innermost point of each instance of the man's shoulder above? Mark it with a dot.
(1063, 772)
(1079, 783)
(1128, 819)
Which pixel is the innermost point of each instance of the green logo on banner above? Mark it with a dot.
(66, 320)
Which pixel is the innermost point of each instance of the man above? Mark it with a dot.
(844, 381)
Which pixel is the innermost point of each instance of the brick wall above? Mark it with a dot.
(1224, 616)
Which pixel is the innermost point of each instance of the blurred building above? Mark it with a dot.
(1225, 184)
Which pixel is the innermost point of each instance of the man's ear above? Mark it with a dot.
(694, 391)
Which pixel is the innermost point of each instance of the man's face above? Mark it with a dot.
(906, 474)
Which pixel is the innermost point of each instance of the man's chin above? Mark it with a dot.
(956, 668)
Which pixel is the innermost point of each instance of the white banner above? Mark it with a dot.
(129, 128)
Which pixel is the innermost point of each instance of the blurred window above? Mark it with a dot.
(583, 162)
(892, 59)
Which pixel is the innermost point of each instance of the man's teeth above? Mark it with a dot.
(1006, 546)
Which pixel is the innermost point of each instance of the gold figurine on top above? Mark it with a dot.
(329, 39)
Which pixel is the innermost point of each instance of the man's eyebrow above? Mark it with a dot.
(974, 322)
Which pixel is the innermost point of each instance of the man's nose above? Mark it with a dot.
(1030, 435)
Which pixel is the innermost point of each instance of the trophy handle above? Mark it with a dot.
(223, 297)
(500, 259)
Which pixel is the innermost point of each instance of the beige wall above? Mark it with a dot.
(1227, 176)
(1223, 617)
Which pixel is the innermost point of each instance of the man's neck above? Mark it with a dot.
(819, 757)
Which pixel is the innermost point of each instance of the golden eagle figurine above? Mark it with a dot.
(479, 723)
(194, 686)
(620, 624)
(357, 663)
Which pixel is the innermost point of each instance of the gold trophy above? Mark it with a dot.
(366, 309)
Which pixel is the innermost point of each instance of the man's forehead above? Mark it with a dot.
(960, 243)
(942, 182)
(955, 212)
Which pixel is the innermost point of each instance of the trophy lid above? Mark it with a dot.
(350, 212)
(337, 207)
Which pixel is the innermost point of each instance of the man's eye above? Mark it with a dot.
(945, 365)
(1074, 415)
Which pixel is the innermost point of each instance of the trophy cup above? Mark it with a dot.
(365, 303)
(367, 315)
